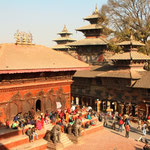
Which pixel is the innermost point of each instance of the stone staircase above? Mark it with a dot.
(21, 142)
(36, 145)
(65, 140)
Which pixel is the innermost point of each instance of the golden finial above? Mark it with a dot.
(17, 37)
(65, 29)
(131, 37)
(96, 9)
(29, 38)
(23, 38)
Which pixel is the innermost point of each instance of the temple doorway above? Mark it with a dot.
(38, 105)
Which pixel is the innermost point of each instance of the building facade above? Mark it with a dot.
(34, 76)
(122, 86)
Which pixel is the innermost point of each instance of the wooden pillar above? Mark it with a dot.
(121, 107)
(77, 100)
(115, 103)
(82, 102)
(136, 110)
(98, 106)
(108, 105)
(147, 110)
(127, 107)
(72, 99)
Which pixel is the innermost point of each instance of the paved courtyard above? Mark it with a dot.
(106, 140)
(109, 139)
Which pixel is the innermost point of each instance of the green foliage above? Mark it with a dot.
(124, 15)
(114, 48)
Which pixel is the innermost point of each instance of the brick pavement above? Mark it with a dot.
(106, 140)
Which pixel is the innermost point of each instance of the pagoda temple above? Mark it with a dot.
(34, 77)
(122, 86)
(90, 49)
(63, 41)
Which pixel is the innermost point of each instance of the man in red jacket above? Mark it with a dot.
(120, 124)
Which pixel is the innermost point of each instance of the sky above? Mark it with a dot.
(44, 18)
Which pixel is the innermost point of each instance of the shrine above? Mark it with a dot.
(34, 77)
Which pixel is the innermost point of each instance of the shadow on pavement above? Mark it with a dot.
(117, 133)
(137, 148)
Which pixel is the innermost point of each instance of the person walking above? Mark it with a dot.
(114, 123)
(143, 131)
(120, 124)
(105, 120)
(127, 128)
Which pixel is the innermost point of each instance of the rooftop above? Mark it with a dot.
(64, 39)
(144, 82)
(65, 31)
(132, 55)
(90, 27)
(131, 41)
(36, 58)
(89, 41)
(60, 46)
(95, 15)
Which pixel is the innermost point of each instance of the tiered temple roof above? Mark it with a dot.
(128, 63)
(92, 32)
(131, 42)
(63, 40)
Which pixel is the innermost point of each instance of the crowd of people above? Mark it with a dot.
(123, 122)
(30, 122)
(66, 118)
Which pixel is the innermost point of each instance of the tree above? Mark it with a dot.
(127, 15)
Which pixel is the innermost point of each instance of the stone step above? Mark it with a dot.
(18, 140)
(91, 129)
(65, 140)
(7, 133)
(36, 145)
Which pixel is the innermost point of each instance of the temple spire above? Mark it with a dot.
(131, 37)
(96, 10)
(65, 29)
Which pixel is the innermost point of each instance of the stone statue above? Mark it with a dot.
(77, 127)
(56, 130)
(69, 129)
(48, 135)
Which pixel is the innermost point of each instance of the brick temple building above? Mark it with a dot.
(91, 49)
(63, 40)
(121, 86)
(34, 76)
